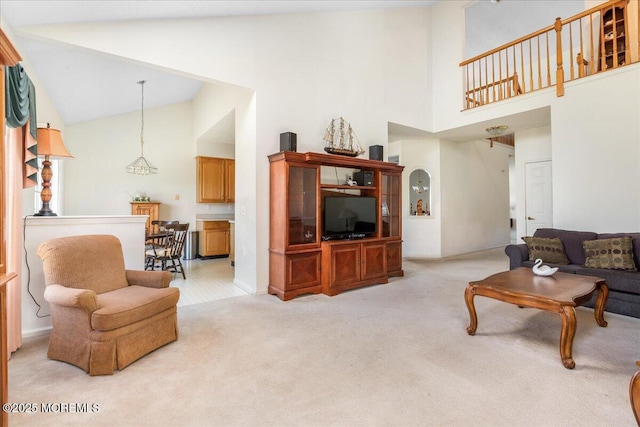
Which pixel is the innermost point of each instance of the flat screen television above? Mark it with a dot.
(349, 216)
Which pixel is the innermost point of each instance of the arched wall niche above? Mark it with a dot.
(420, 193)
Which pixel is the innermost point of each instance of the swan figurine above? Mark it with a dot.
(543, 270)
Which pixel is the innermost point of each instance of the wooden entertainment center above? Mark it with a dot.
(302, 258)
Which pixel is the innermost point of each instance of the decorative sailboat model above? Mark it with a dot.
(341, 139)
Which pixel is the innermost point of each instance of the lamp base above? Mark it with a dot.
(45, 214)
(45, 210)
(45, 194)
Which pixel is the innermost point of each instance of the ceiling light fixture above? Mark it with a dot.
(495, 131)
(141, 166)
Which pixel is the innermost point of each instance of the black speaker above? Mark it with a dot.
(364, 178)
(375, 152)
(288, 141)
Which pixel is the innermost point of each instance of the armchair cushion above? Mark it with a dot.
(103, 253)
(131, 304)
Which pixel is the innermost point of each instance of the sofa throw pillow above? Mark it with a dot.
(548, 249)
(612, 254)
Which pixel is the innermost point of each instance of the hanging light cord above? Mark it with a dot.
(141, 83)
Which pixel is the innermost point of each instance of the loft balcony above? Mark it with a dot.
(597, 40)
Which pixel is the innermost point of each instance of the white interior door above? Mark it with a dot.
(538, 197)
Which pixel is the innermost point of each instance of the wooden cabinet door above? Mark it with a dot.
(210, 180)
(374, 260)
(390, 205)
(302, 209)
(214, 238)
(152, 210)
(230, 185)
(394, 258)
(345, 264)
(303, 270)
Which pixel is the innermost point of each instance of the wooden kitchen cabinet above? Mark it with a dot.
(214, 238)
(215, 181)
(230, 180)
(232, 244)
(151, 209)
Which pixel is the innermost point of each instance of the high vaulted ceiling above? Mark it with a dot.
(104, 86)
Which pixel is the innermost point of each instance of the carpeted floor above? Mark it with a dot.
(386, 355)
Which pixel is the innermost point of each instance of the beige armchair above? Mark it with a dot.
(104, 317)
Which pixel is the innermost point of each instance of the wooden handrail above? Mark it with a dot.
(508, 45)
(566, 21)
(591, 11)
(596, 51)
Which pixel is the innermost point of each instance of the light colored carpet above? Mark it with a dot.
(386, 355)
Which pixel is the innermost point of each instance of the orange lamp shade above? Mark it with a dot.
(50, 143)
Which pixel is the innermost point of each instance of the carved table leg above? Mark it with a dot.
(601, 300)
(634, 394)
(469, 293)
(568, 315)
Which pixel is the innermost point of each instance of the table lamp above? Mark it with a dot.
(49, 145)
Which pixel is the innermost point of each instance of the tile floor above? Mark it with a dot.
(207, 280)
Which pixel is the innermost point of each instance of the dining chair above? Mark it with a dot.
(158, 238)
(168, 257)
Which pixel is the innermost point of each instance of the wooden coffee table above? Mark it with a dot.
(559, 293)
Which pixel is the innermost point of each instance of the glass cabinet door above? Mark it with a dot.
(390, 205)
(303, 212)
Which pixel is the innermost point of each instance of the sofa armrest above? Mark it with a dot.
(149, 279)
(517, 254)
(71, 297)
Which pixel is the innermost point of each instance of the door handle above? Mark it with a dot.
(530, 218)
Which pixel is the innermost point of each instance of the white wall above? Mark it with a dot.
(96, 182)
(421, 235)
(474, 195)
(213, 103)
(595, 132)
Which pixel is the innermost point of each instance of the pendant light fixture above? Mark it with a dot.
(419, 187)
(141, 166)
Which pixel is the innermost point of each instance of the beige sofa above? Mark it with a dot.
(104, 317)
